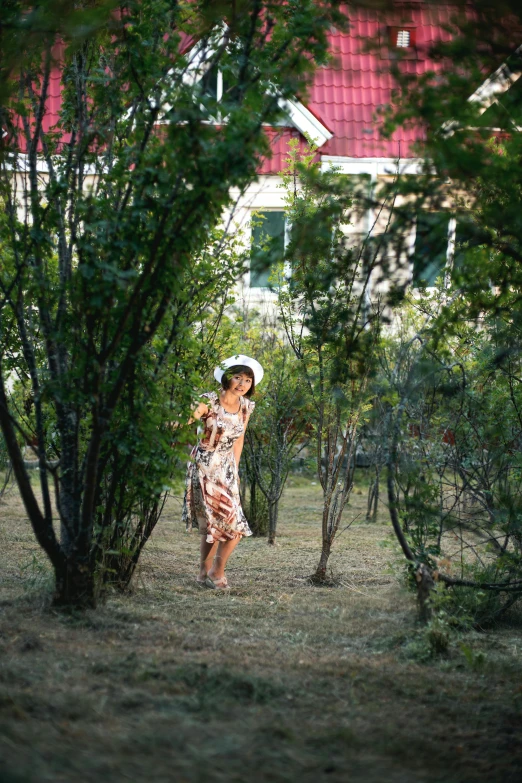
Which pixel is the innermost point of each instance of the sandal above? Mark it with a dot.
(201, 582)
(217, 584)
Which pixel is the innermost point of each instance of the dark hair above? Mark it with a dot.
(237, 369)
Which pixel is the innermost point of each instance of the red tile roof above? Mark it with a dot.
(279, 138)
(346, 95)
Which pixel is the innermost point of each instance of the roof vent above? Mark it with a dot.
(403, 38)
(400, 42)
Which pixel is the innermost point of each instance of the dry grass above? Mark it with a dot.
(276, 681)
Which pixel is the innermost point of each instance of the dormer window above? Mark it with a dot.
(217, 88)
(214, 84)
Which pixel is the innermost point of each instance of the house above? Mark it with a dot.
(340, 113)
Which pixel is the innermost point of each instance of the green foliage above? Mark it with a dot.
(116, 277)
(472, 607)
(474, 145)
(37, 576)
(24, 30)
(455, 611)
(429, 642)
(454, 425)
(476, 661)
(329, 323)
(255, 505)
(4, 456)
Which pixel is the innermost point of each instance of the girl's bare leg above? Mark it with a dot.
(207, 554)
(224, 550)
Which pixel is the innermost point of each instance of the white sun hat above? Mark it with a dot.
(239, 358)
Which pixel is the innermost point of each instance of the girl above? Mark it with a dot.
(212, 502)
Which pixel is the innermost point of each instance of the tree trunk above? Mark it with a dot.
(372, 515)
(243, 489)
(319, 577)
(273, 510)
(375, 500)
(369, 505)
(425, 586)
(75, 584)
(252, 495)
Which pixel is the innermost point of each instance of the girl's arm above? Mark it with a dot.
(200, 411)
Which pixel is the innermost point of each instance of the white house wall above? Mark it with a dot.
(267, 194)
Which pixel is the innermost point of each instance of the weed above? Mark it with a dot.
(429, 642)
(37, 575)
(275, 681)
(475, 660)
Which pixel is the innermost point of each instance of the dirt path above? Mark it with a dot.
(276, 681)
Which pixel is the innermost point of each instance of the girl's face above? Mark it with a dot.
(240, 384)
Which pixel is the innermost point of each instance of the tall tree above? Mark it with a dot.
(109, 232)
(469, 107)
(279, 430)
(332, 331)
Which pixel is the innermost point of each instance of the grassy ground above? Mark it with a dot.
(275, 681)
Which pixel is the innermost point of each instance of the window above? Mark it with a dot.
(212, 83)
(215, 84)
(443, 243)
(268, 246)
(431, 247)
(215, 93)
(218, 92)
(469, 246)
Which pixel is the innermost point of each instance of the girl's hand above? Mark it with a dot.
(200, 411)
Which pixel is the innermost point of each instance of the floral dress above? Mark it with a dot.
(212, 503)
